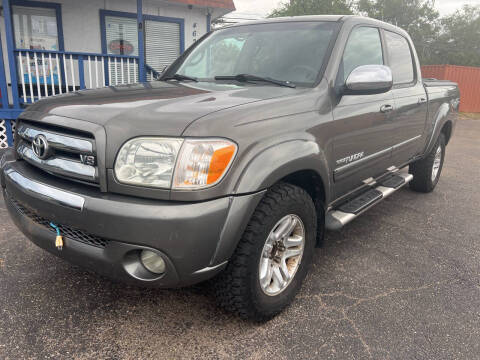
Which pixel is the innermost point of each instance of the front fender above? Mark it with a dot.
(281, 160)
(264, 170)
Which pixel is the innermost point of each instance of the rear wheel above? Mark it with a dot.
(426, 172)
(273, 256)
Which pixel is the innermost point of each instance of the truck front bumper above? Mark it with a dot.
(106, 233)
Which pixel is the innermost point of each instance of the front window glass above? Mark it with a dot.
(364, 47)
(283, 51)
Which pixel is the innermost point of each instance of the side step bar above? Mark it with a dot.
(339, 217)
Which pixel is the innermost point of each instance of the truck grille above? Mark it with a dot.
(62, 152)
(66, 231)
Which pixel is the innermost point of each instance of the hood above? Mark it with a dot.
(157, 108)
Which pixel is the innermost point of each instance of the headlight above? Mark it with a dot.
(147, 161)
(203, 163)
(151, 162)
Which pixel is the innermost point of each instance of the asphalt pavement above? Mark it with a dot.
(400, 282)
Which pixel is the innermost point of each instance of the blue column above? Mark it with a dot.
(209, 22)
(81, 72)
(142, 77)
(3, 80)
(5, 105)
(8, 126)
(12, 63)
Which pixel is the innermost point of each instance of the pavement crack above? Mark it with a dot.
(358, 332)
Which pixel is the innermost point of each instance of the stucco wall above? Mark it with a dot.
(81, 20)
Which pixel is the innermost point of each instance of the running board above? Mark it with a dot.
(339, 217)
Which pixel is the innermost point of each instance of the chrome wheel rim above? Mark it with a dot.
(436, 163)
(281, 255)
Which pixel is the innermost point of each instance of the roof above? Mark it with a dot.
(292, 19)
(333, 18)
(224, 4)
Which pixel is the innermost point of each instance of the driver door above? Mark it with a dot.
(363, 123)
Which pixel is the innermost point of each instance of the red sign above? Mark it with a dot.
(121, 47)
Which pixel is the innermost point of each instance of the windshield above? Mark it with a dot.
(292, 52)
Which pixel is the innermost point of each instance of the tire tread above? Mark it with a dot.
(231, 286)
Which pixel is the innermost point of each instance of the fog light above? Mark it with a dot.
(152, 262)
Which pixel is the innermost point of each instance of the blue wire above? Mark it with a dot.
(56, 228)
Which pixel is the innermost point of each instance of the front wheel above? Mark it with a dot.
(426, 172)
(273, 256)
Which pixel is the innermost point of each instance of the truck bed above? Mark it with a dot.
(437, 83)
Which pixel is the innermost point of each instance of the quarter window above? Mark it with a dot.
(364, 47)
(400, 58)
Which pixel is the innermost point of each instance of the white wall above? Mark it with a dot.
(81, 20)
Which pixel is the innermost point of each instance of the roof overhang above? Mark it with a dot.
(221, 4)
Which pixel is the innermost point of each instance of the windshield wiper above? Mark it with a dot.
(180, 77)
(250, 78)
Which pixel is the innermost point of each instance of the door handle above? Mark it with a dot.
(422, 100)
(386, 108)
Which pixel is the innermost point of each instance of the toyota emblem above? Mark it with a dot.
(40, 147)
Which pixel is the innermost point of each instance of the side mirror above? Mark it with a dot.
(369, 80)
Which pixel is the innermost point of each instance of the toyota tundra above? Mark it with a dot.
(255, 141)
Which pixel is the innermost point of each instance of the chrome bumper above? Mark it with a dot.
(45, 192)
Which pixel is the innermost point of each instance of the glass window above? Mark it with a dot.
(400, 58)
(35, 28)
(121, 35)
(292, 53)
(364, 47)
(218, 57)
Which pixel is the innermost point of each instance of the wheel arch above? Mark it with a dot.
(447, 131)
(441, 120)
(312, 183)
(299, 162)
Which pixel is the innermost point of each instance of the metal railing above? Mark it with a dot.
(44, 73)
(152, 74)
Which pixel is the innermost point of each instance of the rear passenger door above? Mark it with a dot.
(362, 145)
(410, 99)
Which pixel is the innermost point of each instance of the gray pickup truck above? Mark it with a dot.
(255, 141)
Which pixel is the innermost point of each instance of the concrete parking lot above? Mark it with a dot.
(400, 282)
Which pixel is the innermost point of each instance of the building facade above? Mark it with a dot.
(51, 47)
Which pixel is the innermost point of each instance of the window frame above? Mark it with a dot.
(46, 5)
(382, 44)
(103, 31)
(414, 63)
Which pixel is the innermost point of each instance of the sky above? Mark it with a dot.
(260, 8)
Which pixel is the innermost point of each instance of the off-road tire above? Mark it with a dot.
(237, 288)
(422, 169)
